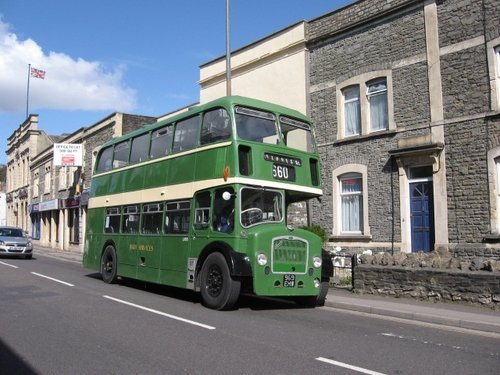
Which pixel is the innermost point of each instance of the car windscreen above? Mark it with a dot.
(11, 232)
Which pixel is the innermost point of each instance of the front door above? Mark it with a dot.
(422, 216)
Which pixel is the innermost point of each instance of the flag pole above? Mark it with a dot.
(28, 90)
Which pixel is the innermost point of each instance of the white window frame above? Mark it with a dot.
(36, 187)
(358, 109)
(493, 48)
(351, 194)
(363, 81)
(374, 94)
(494, 188)
(46, 187)
(343, 171)
(497, 78)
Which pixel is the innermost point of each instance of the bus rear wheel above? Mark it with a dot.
(108, 265)
(218, 290)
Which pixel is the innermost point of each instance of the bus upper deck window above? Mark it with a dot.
(256, 126)
(120, 157)
(216, 126)
(297, 134)
(161, 141)
(105, 159)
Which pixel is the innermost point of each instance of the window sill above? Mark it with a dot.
(359, 138)
(491, 238)
(351, 238)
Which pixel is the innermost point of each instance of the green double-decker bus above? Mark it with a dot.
(200, 201)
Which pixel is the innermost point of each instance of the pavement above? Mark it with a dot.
(448, 314)
(453, 315)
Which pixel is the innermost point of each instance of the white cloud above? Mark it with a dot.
(69, 84)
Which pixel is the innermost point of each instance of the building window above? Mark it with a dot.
(494, 189)
(351, 200)
(352, 111)
(46, 188)
(497, 75)
(36, 184)
(350, 192)
(497, 182)
(377, 99)
(365, 105)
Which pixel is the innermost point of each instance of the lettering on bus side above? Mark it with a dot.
(141, 247)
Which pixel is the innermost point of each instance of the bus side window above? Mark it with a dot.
(112, 220)
(130, 219)
(161, 141)
(186, 134)
(140, 147)
(224, 211)
(202, 211)
(216, 126)
(120, 154)
(104, 163)
(151, 218)
(177, 217)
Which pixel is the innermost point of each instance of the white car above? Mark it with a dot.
(13, 242)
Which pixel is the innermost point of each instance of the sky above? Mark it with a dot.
(133, 56)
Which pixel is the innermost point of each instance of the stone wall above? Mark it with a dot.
(431, 276)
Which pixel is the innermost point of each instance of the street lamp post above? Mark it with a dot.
(228, 52)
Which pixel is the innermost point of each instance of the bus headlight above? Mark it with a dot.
(261, 259)
(317, 262)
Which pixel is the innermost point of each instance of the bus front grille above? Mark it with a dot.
(290, 255)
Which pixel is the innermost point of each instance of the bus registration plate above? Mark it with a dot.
(288, 281)
(283, 172)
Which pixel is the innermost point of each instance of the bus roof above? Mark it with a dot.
(226, 101)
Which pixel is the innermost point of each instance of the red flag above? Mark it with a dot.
(37, 73)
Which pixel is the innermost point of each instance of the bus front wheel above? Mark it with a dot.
(108, 265)
(218, 290)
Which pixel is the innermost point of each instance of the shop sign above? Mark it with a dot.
(68, 154)
(34, 208)
(49, 205)
(70, 202)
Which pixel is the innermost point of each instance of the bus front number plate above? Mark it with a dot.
(288, 281)
(283, 172)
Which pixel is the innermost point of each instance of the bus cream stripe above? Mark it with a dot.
(186, 191)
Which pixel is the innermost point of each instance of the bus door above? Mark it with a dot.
(200, 235)
(175, 243)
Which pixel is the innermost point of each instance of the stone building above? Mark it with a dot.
(3, 204)
(22, 146)
(405, 96)
(58, 195)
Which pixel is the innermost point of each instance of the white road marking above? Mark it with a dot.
(160, 313)
(51, 278)
(10, 265)
(350, 367)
